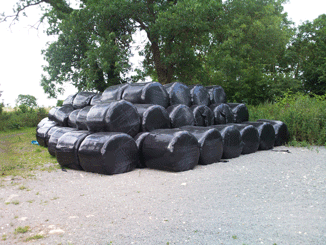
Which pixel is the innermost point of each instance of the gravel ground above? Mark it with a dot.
(268, 197)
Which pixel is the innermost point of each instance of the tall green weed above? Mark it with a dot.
(305, 116)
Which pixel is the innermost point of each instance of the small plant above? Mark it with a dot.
(35, 237)
(15, 202)
(4, 237)
(22, 187)
(234, 237)
(20, 229)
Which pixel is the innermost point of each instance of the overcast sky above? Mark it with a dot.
(21, 60)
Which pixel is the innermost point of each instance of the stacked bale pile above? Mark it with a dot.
(172, 127)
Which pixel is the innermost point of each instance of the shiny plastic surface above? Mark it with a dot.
(139, 139)
(113, 92)
(152, 117)
(240, 112)
(41, 133)
(199, 95)
(203, 115)
(73, 118)
(266, 134)
(282, 134)
(69, 100)
(43, 122)
(108, 153)
(232, 142)
(67, 149)
(171, 150)
(62, 114)
(210, 142)
(81, 119)
(146, 93)
(250, 138)
(222, 113)
(51, 114)
(216, 94)
(179, 93)
(83, 99)
(97, 99)
(180, 115)
(117, 116)
(53, 140)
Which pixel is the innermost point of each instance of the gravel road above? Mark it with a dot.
(268, 197)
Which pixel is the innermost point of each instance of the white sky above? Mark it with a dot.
(21, 59)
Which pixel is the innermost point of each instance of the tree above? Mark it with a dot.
(26, 101)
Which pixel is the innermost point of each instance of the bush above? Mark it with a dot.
(304, 114)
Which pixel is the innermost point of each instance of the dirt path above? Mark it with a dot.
(263, 198)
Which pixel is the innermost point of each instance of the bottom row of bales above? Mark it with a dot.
(177, 149)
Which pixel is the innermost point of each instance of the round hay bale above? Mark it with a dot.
(51, 114)
(81, 119)
(97, 99)
(210, 143)
(108, 153)
(222, 113)
(203, 115)
(113, 92)
(62, 114)
(73, 118)
(69, 100)
(41, 133)
(240, 112)
(282, 134)
(250, 138)
(83, 99)
(199, 95)
(266, 134)
(139, 139)
(43, 122)
(180, 115)
(55, 135)
(216, 94)
(171, 150)
(179, 93)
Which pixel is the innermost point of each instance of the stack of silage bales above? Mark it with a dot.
(172, 127)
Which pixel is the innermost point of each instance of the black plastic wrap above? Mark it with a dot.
(139, 139)
(69, 100)
(222, 113)
(199, 95)
(210, 142)
(146, 93)
(216, 94)
(97, 99)
(282, 134)
(73, 118)
(232, 142)
(170, 149)
(67, 149)
(180, 115)
(266, 134)
(53, 140)
(62, 114)
(240, 112)
(117, 116)
(203, 115)
(51, 114)
(44, 121)
(83, 99)
(42, 132)
(152, 117)
(113, 92)
(81, 119)
(179, 93)
(250, 138)
(108, 153)
(50, 132)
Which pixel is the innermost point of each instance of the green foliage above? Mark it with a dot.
(1, 108)
(59, 103)
(305, 116)
(25, 102)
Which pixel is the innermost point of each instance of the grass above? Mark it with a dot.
(20, 229)
(35, 237)
(20, 157)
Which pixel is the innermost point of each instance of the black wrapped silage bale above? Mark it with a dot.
(73, 118)
(51, 114)
(62, 114)
(44, 121)
(139, 139)
(216, 94)
(250, 138)
(113, 92)
(203, 115)
(69, 100)
(180, 115)
(199, 95)
(266, 134)
(240, 112)
(53, 140)
(97, 99)
(170, 149)
(67, 149)
(108, 153)
(146, 93)
(81, 119)
(282, 134)
(83, 99)
(222, 113)
(179, 93)
(50, 132)
(152, 117)
(117, 116)
(232, 142)
(41, 132)
(210, 142)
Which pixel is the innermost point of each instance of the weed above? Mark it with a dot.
(20, 229)
(35, 237)
(30, 201)
(15, 202)
(16, 217)
(22, 187)
(4, 237)
(234, 237)
(37, 193)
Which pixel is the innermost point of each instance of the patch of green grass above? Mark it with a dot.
(35, 237)
(22, 187)
(234, 237)
(15, 202)
(20, 229)
(4, 237)
(30, 201)
(19, 156)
